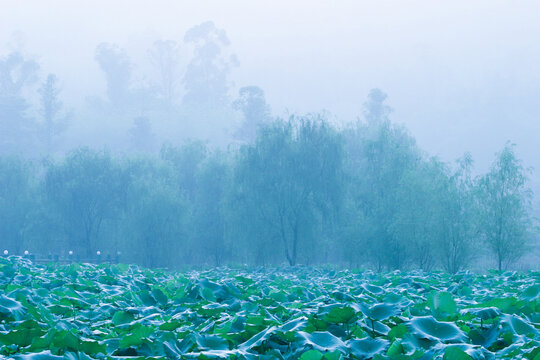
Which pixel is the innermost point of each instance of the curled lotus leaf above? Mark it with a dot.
(428, 327)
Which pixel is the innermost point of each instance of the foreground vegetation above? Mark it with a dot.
(123, 311)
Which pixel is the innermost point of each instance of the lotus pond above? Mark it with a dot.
(127, 312)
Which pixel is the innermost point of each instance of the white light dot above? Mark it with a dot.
(6, 252)
(70, 252)
(98, 252)
(26, 252)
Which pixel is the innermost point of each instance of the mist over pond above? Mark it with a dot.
(215, 133)
(294, 180)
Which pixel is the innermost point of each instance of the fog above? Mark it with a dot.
(460, 76)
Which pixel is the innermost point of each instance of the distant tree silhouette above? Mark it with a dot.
(375, 108)
(141, 136)
(16, 126)
(51, 106)
(205, 79)
(252, 104)
(164, 56)
(116, 67)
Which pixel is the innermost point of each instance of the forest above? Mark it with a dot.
(303, 192)
(173, 172)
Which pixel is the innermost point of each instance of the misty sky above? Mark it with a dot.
(461, 75)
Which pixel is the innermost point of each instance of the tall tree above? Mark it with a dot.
(85, 190)
(458, 217)
(206, 78)
(417, 212)
(16, 126)
(164, 56)
(255, 111)
(375, 107)
(141, 137)
(379, 156)
(51, 105)
(116, 67)
(290, 178)
(17, 201)
(154, 215)
(505, 202)
(210, 213)
(186, 162)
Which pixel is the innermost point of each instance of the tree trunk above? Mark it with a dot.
(295, 244)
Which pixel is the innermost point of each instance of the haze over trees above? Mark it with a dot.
(505, 208)
(180, 171)
(302, 193)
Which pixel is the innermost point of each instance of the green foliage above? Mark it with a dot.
(506, 202)
(231, 314)
(441, 303)
(455, 353)
(427, 327)
(84, 190)
(302, 192)
(290, 181)
(17, 201)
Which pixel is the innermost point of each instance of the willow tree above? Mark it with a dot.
(290, 179)
(505, 200)
(381, 156)
(84, 190)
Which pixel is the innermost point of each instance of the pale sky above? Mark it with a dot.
(462, 75)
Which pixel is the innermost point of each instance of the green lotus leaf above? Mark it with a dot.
(322, 341)
(146, 298)
(485, 313)
(398, 331)
(374, 289)
(379, 312)
(66, 340)
(507, 304)
(485, 337)
(340, 315)
(136, 336)
(257, 339)
(374, 327)
(170, 325)
(90, 346)
(160, 296)
(11, 309)
(213, 309)
(333, 355)
(294, 325)
(455, 353)
(441, 303)
(367, 347)
(312, 355)
(429, 328)
(122, 318)
(22, 337)
(395, 350)
(77, 356)
(532, 293)
(44, 355)
(534, 354)
(519, 326)
(211, 342)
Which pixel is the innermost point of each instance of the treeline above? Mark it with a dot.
(185, 92)
(303, 192)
